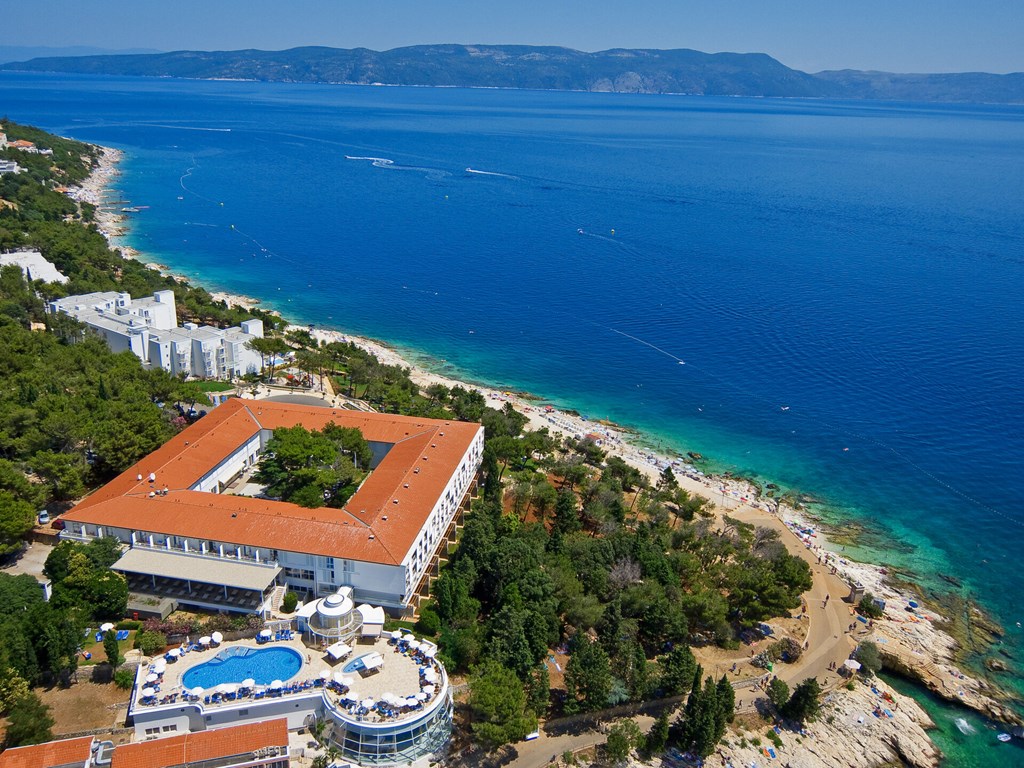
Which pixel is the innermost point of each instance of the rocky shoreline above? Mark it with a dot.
(912, 643)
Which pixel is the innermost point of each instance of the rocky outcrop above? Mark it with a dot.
(856, 729)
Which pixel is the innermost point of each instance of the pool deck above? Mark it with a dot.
(170, 686)
(399, 675)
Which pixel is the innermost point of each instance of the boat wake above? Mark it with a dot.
(434, 174)
(376, 162)
(492, 173)
(964, 727)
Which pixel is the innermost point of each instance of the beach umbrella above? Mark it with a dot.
(396, 635)
(266, 633)
(411, 701)
(248, 682)
(414, 645)
(106, 627)
(325, 674)
(408, 638)
(428, 689)
(217, 637)
(197, 691)
(276, 684)
(422, 696)
(430, 676)
(367, 703)
(152, 677)
(205, 640)
(429, 653)
(174, 653)
(147, 692)
(851, 665)
(160, 665)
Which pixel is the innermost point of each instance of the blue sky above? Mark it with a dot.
(893, 35)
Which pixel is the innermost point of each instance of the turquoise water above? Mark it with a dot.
(233, 665)
(966, 739)
(841, 280)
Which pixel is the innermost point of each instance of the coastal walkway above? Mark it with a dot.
(829, 640)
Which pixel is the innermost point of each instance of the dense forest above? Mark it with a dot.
(564, 548)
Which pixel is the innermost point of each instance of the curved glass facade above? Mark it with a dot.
(390, 743)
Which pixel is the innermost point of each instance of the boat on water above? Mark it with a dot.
(1004, 737)
(130, 209)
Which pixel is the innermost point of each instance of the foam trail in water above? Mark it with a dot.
(187, 174)
(492, 173)
(188, 128)
(376, 162)
(434, 174)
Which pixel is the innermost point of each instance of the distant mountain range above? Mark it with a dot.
(24, 52)
(622, 70)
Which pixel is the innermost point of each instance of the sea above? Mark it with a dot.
(825, 295)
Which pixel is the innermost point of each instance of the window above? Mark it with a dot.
(152, 731)
(169, 728)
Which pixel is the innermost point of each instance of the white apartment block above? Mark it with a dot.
(148, 328)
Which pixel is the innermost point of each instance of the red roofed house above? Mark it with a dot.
(67, 753)
(191, 542)
(254, 744)
(262, 744)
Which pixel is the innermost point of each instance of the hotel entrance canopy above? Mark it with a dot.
(195, 568)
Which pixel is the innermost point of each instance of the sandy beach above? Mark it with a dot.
(907, 633)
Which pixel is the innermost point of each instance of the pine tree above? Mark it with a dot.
(111, 648)
(804, 704)
(657, 737)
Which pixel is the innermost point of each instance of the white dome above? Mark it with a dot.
(335, 606)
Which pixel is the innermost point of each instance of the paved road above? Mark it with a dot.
(539, 752)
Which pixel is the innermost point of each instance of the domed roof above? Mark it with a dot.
(336, 605)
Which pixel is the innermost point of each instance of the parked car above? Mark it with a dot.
(44, 517)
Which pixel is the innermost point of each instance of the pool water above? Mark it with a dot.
(355, 665)
(233, 665)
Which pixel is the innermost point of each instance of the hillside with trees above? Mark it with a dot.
(566, 549)
(618, 70)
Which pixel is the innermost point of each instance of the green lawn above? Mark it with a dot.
(215, 386)
(89, 645)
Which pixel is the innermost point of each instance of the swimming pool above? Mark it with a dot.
(355, 665)
(233, 665)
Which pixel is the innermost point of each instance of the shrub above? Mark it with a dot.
(429, 623)
(129, 624)
(773, 737)
(869, 657)
(124, 678)
(150, 642)
(290, 601)
(867, 607)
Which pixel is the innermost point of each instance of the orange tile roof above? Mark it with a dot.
(191, 748)
(48, 755)
(379, 523)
